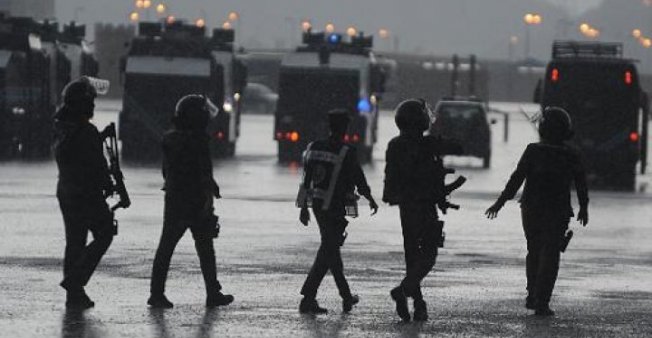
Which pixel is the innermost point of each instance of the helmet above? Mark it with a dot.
(193, 112)
(413, 114)
(79, 91)
(555, 124)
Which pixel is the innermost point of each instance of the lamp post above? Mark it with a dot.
(306, 25)
(383, 33)
(235, 17)
(351, 31)
(530, 19)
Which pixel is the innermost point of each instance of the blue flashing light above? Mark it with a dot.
(334, 39)
(364, 106)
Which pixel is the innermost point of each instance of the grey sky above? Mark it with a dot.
(427, 26)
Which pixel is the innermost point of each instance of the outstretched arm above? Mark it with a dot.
(514, 183)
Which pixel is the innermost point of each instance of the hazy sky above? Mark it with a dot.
(426, 26)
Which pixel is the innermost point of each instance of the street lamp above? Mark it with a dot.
(306, 25)
(200, 22)
(330, 28)
(513, 41)
(383, 33)
(589, 31)
(646, 42)
(233, 16)
(134, 16)
(170, 19)
(227, 25)
(140, 4)
(636, 33)
(530, 19)
(147, 4)
(585, 28)
(160, 9)
(351, 31)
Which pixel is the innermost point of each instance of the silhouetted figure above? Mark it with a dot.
(414, 180)
(84, 183)
(548, 169)
(189, 191)
(331, 176)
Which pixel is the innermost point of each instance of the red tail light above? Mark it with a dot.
(356, 138)
(554, 75)
(219, 135)
(628, 78)
(634, 137)
(279, 135)
(346, 138)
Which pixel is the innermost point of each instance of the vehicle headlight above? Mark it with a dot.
(236, 97)
(228, 107)
(18, 111)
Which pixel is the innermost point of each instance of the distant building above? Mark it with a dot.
(38, 9)
(111, 44)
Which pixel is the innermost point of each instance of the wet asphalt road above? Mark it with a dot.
(476, 289)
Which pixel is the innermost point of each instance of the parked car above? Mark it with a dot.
(258, 99)
(465, 121)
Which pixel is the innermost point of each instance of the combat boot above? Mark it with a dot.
(78, 300)
(401, 303)
(219, 299)
(159, 302)
(420, 310)
(544, 311)
(347, 304)
(310, 306)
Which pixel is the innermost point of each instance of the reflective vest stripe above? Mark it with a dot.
(324, 156)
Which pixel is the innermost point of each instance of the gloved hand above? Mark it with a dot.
(583, 216)
(304, 217)
(373, 206)
(493, 210)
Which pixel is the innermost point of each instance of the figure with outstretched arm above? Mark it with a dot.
(548, 168)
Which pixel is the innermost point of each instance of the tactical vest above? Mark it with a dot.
(326, 167)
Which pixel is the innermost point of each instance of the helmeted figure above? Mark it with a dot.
(84, 182)
(332, 175)
(189, 192)
(414, 180)
(548, 168)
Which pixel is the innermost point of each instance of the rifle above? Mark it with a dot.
(444, 204)
(111, 146)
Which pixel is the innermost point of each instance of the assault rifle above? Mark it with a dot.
(444, 204)
(111, 147)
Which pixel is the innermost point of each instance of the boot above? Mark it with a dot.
(310, 306)
(219, 299)
(420, 310)
(347, 304)
(543, 311)
(78, 299)
(159, 302)
(401, 303)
